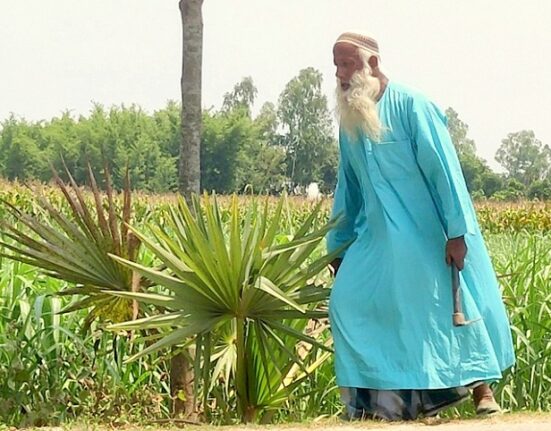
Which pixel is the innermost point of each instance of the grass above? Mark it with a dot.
(50, 372)
(524, 263)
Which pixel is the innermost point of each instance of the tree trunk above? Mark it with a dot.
(189, 175)
(181, 388)
(192, 57)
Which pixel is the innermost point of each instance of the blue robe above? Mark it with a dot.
(391, 302)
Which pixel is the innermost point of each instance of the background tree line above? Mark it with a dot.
(525, 159)
(285, 145)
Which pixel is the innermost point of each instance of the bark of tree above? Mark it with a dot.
(192, 56)
(189, 175)
(181, 387)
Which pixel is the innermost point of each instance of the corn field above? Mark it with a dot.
(52, 371)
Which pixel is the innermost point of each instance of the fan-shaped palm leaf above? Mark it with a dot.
(235, 276)
(74, 245)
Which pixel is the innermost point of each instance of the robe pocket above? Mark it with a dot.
(396, 159)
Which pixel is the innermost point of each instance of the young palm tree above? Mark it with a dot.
(75, 247)
(241, 291)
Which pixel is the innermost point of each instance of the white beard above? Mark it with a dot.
(357, 106)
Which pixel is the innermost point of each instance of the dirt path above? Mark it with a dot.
(514, 422)
(470, 425)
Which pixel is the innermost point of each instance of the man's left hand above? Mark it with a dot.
(456, 250)
(335, 264)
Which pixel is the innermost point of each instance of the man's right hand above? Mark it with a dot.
(456, 250)
(335, 264)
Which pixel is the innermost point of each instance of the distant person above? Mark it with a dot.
(406, 212)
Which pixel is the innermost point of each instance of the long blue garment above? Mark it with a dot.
(391, 303)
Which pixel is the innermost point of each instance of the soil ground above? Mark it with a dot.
(506, 422)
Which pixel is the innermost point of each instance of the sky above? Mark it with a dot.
(488, 59)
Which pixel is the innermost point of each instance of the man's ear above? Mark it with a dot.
(373, 63)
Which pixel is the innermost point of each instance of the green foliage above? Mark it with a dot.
(20, 154)
(225, 136)
(127, 137)
(524, 263)
(540, 190)
(458, 132)
(241, 98)
(491, 183)
(513, 191)
(524, 157)
(511, 218)
(291, 144)
(481, 180)
(76, 247)
(263, 165)
(311, 150)
(238, 151)
(51, 374)
(241, 290)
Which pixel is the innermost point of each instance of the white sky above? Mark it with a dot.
(488, 59)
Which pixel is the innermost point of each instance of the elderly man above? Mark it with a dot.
(406, 220)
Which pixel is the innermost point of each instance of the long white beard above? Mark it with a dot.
(357, 106)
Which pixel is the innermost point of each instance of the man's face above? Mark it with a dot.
(347, 62)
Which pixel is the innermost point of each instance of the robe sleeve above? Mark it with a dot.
(347, 203)
(440, 166)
